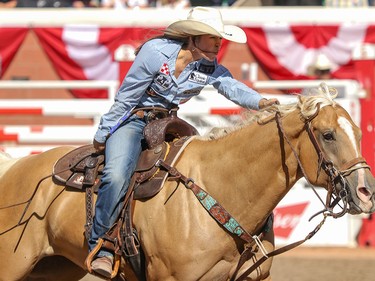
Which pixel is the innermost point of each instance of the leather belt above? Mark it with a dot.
(151, 114)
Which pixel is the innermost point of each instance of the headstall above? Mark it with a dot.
(336, 175)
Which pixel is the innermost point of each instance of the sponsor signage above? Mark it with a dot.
(292, 220)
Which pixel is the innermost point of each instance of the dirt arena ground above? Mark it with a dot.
(321, 264)
(325, 264)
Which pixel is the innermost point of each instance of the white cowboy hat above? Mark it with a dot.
(322, 63)
(205, 20)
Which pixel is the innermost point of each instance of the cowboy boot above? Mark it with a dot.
(103, 266)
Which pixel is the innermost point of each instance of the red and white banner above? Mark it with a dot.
(286, 51)
(88, 52)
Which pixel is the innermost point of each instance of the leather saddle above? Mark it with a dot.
(82, 167)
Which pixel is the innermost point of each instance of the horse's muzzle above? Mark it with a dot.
(362, 187)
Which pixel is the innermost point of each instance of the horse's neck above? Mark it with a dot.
(248, 170)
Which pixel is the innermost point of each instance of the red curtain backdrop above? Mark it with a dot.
(87, 52)
(10, 41)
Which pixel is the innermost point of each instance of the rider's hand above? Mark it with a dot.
(263, 103)
(99, 147)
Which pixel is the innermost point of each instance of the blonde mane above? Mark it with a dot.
(6, 161)
(307, 105)
(4, 156)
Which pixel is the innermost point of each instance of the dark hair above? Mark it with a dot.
(183, 39)
(322, 71)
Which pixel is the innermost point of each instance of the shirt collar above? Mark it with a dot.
(171, 48)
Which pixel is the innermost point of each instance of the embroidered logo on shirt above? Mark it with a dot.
(198, 77)
(164, 69)
(163, 81)
(205, 68)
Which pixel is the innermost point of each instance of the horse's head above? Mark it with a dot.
(332, 141)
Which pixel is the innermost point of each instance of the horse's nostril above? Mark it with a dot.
(364, 193)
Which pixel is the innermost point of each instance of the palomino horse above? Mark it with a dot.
(248, 171)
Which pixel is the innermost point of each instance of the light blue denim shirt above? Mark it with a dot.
(150, 81)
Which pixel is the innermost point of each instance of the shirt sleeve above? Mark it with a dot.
(234, 90)
(138, 78)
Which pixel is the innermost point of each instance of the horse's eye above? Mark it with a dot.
(328, 136)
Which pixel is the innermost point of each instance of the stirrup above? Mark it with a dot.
(92, 254)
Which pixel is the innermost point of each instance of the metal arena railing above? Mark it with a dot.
(205, 111)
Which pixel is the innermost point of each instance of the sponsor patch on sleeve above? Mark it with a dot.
(164, 69)
(198, 77)
(163, 81)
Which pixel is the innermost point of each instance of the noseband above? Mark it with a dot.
(336, 175)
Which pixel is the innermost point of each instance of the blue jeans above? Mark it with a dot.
(122, 152)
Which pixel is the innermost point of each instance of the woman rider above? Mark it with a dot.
(167, 71)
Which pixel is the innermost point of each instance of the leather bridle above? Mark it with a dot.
(336, 175)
